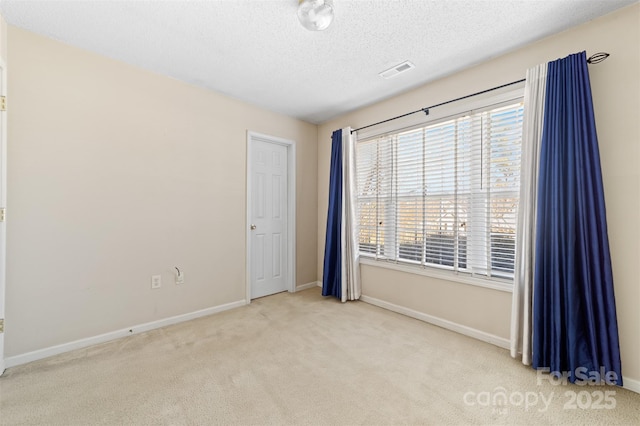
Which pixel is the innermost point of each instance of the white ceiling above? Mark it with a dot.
(256, 50)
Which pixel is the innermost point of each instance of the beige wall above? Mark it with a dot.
(616, 92)
(116, 174)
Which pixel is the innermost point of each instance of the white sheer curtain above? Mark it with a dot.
(534, 98)
(351, 288)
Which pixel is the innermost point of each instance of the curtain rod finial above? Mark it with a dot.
(596, 58)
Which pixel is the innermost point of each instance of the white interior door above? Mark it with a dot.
(3, 202)
(269, 218)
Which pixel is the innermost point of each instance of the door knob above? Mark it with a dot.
(253, 227)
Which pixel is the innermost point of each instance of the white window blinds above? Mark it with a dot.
(444, 195)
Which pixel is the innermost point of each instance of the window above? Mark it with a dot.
(444, 195)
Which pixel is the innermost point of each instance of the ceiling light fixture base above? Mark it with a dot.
(315, 15)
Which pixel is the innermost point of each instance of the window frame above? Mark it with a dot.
(444, 272)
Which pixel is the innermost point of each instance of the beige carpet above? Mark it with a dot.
(295, 359)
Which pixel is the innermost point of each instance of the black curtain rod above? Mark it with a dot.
(593, 59)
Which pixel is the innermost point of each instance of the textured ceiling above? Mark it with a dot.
(256, 50)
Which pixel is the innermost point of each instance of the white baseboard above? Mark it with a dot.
(631, 384)
(319, 283)
(449, 325)
(308, 285)
(102, 338)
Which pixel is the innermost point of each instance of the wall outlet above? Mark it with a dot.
(156, 281)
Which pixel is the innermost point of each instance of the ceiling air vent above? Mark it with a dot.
(400, 68)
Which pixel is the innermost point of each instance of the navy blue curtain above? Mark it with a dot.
(332, 269)
(575, 329)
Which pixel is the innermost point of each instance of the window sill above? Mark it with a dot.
(443, 275)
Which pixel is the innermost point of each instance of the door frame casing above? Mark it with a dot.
(3, 203)
(291, 208)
